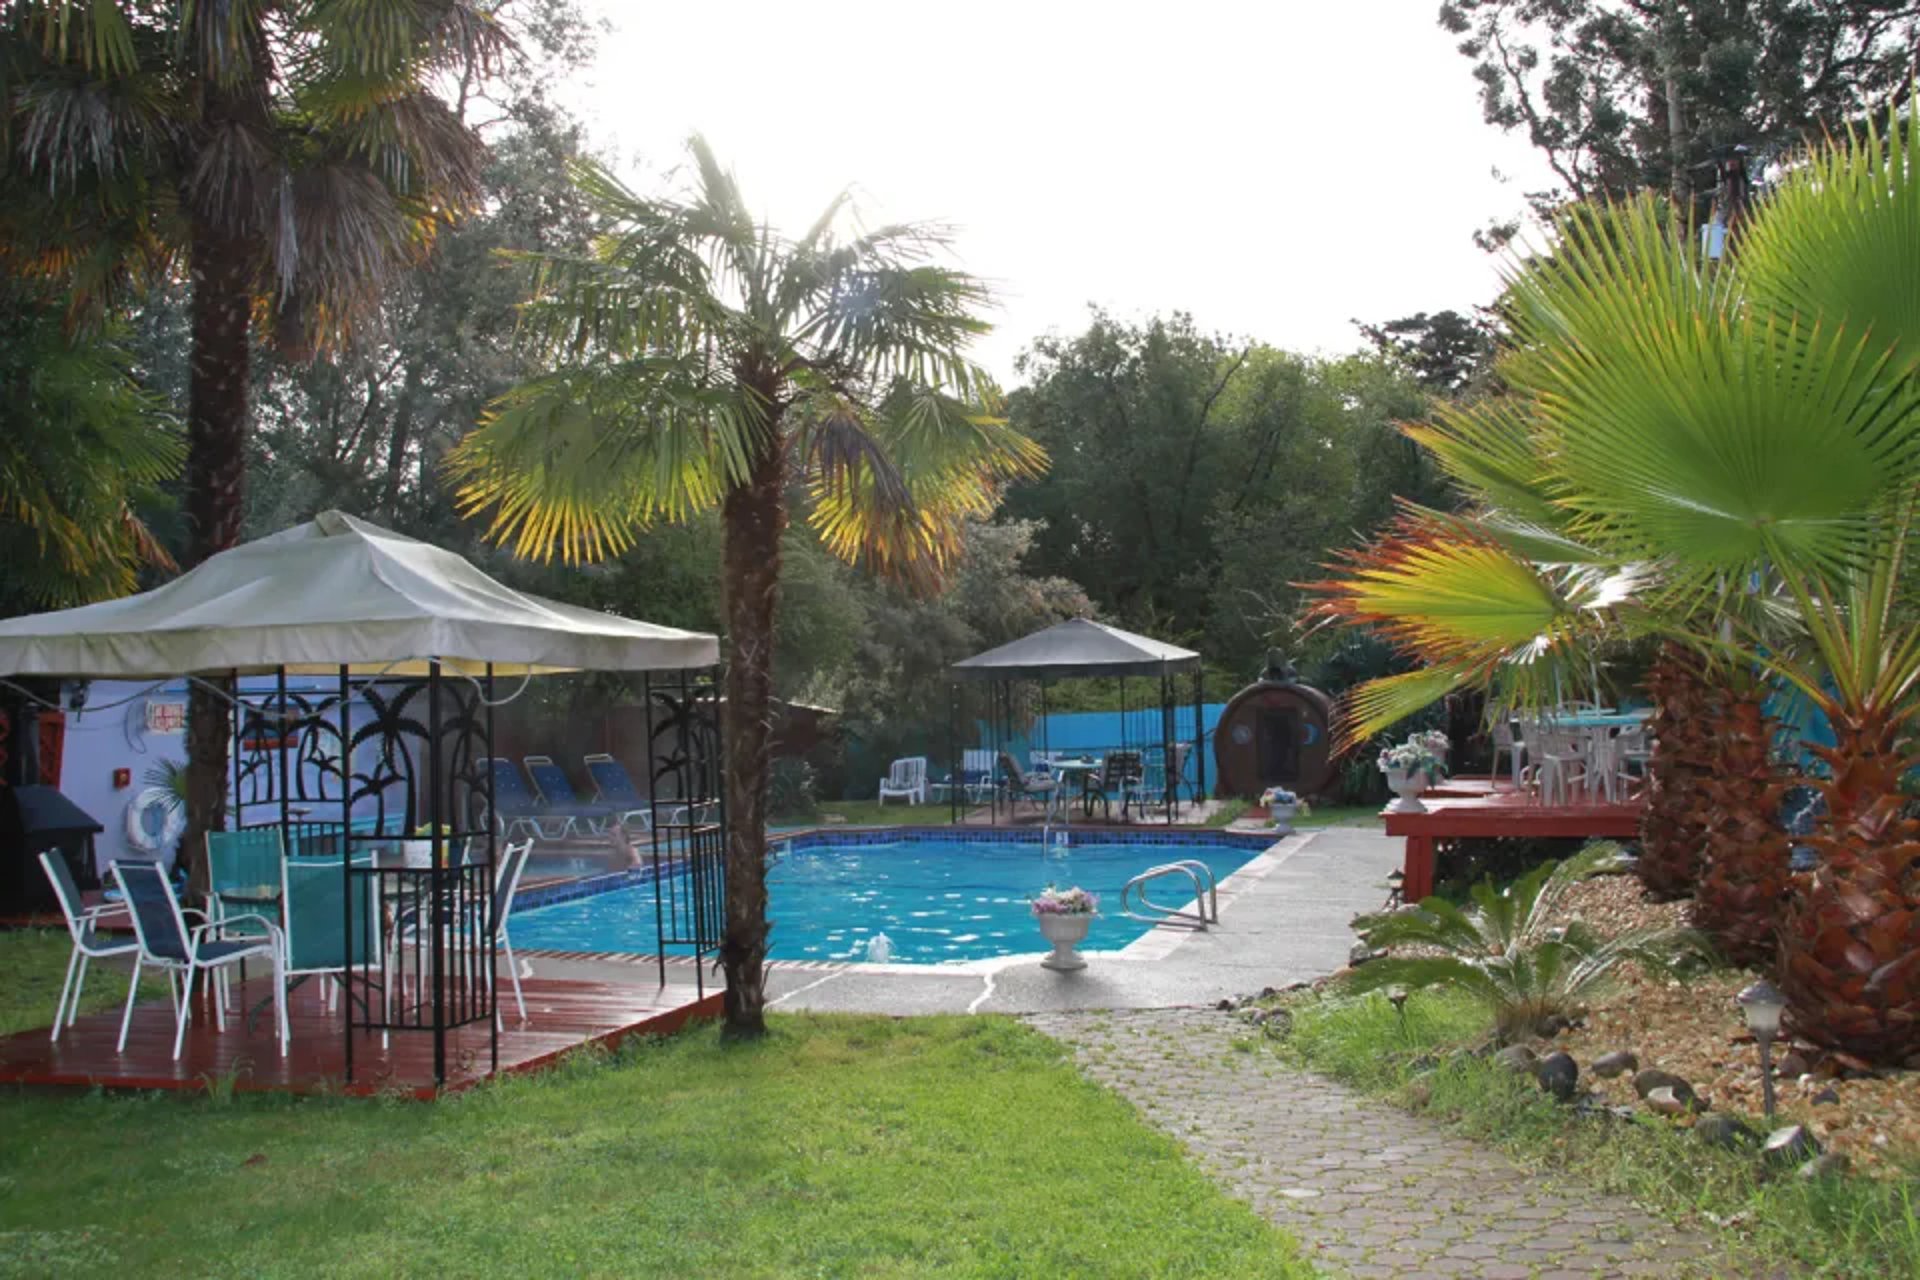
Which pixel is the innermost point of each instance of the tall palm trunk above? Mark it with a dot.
(1744, 882)
(1673, 831)
(755, 517)
(217, 399)
(1850, 934)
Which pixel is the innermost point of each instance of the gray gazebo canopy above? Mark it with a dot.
(1076, 649)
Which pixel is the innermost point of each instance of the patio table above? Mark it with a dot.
(1084, 769)
(1600, 719)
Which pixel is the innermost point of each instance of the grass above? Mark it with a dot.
(838, 1146)
(35, 962)
(1847, 1226)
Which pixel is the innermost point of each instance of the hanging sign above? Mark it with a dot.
(166, 717)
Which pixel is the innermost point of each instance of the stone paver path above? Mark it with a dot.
(1369, 1189)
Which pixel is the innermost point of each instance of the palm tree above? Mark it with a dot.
(79, 444)
(285, 156)
(1713, 456)
(703, 360)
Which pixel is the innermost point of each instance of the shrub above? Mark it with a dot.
(1504, 953)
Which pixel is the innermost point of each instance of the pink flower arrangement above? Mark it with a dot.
(1066, 902)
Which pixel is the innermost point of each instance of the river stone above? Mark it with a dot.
(1361, 953)
(1557, 1074)
(1825, 1165)
(1667, 1100)
(1619, 1062)
(1516, 1058)
(1826, 1096)
(1791, 1145)
(1792, 1065)
(1645, 1082)
(1724, 1131)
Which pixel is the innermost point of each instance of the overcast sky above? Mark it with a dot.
(1275, 168)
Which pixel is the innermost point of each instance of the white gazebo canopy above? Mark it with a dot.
(337, 590)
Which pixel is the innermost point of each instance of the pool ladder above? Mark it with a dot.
(1136, 905)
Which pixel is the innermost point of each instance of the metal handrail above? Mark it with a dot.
(1206, 896)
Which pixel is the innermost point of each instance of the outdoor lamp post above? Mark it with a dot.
(1762, 1005)
(1397, 997)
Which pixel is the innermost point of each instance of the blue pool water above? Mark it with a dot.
(936, 900)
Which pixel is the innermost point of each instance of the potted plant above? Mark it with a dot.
(1064, 916)
(1282, 807)
(1412, 767)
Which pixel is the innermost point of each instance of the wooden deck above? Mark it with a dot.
(561, 1016)
(1466, 807)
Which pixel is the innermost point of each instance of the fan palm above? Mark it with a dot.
(704, 360)
(285, 155)
(1736, 443)
(1506, 951)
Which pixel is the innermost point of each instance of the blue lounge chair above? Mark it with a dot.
(554, 790)
(517, 809)
(613, 785)
(87, 944)
(167, 943)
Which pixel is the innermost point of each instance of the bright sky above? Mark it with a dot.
(1276, 168)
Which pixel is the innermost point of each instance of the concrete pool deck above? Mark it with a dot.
(1283, 918)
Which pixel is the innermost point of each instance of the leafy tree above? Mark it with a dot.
(286, 157)
(704, 360)
(1195, 479)
(81, 445)
(1622, 96)
(1446, 352)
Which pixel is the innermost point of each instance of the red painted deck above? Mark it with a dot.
(1463, 807)
(561, 1016)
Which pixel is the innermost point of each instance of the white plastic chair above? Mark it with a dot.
(1565, 759)
(1510, 744)
(87, 944)
(907, 778)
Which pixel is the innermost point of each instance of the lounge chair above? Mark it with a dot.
(167, 943)
(506, 883)
(87, 943)
(613, 786)
(554, 790)
(518, 810)
(907, 777)
(974, 781)
(1040, 788)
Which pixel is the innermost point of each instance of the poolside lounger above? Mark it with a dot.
(518, 810)
(554, 790)
(613, 786)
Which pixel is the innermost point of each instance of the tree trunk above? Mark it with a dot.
(217, 404)
(1744, 880)
(1673, 829)
(755, 516)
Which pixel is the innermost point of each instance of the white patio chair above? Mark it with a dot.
(1564, 760)
(87, 944)
(168, 944)
(907, 778)
(1508, 742)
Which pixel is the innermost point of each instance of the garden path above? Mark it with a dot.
(1369, 1189)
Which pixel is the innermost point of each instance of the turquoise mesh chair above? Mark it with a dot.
(314, 897)
(243, 879)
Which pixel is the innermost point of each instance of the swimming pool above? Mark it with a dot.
(937, 897)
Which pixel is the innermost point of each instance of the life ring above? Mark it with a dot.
(154, 821)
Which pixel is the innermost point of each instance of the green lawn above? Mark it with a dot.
(35, 963)
(839, 1146)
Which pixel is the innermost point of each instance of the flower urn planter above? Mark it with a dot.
(1064, 932)
(1281, 816)
(1407, 786)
